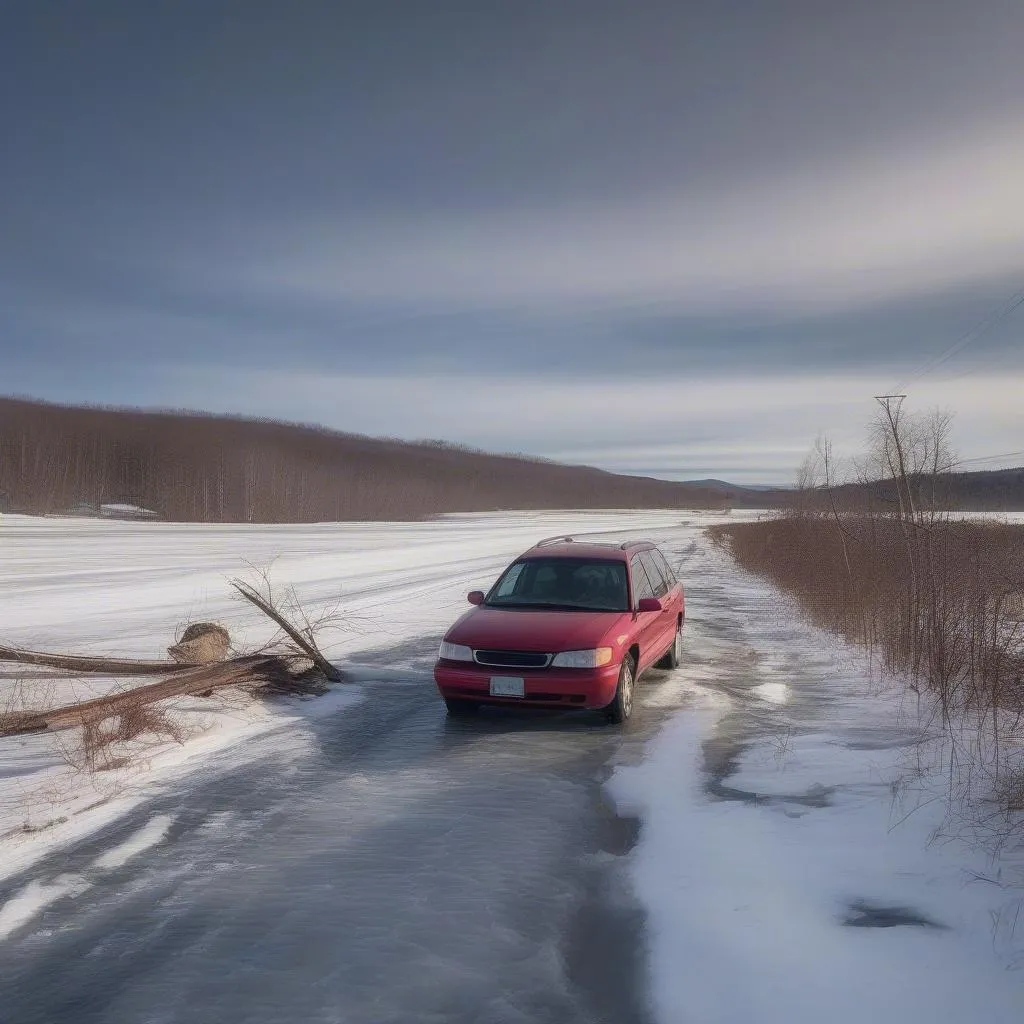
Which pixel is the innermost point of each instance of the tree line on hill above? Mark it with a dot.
(199, 468)
(1000, 490)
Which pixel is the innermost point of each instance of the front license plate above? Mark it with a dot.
(508, 686)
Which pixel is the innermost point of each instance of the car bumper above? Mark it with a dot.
(549, 688)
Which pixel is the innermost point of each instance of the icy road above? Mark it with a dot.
(733, 855)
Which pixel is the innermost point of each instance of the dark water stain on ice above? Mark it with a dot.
(880, 738)
(620, 833)
(864, 914)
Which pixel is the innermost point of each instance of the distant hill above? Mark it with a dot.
(712, 484)
(190, 467)
(1000, 490)
(724, 485)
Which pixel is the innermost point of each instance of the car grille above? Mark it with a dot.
(512, 659)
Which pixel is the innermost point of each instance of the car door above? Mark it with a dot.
(667, 617)
(648, 623)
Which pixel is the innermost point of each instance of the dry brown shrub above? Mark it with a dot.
(102, 739)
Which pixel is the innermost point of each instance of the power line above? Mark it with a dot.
(997, 362)
(884, 400)
(976, 332)
(988, 458)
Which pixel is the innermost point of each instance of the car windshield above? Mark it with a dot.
(562, 584)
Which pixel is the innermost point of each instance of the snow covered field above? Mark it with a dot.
(787, 857)
(96, 587)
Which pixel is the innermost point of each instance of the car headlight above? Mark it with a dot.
(455, 652)
(583, 659)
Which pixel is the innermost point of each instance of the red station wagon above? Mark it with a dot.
(567, 625)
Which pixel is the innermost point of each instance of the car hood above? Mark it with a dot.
(528, 630)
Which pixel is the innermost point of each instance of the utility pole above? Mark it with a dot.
(884, 401)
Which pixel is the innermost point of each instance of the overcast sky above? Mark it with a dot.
(671, 238)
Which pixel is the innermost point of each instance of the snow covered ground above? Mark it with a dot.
(791, 855)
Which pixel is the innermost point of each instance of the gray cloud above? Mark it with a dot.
(583, 190)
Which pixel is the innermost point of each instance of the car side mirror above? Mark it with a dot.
(476, 597)
(649, 604)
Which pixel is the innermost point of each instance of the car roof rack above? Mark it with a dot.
(553, 540)
(626, 544)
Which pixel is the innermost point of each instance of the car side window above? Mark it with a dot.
(666, 569)
(658, 581)
(641, 584)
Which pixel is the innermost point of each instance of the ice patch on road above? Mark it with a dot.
(774, 693)
(147, 837)
(35, 897)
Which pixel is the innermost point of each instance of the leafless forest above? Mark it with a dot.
(198, 468)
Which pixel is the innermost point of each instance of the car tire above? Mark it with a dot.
(460, 708)
(674, 655)
(622, 706)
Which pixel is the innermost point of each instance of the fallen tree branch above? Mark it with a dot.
(252, 670)
(306, 646)
(296, 668)
(104, 666)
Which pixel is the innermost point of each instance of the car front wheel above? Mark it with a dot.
(674, 655)
(622, 706)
